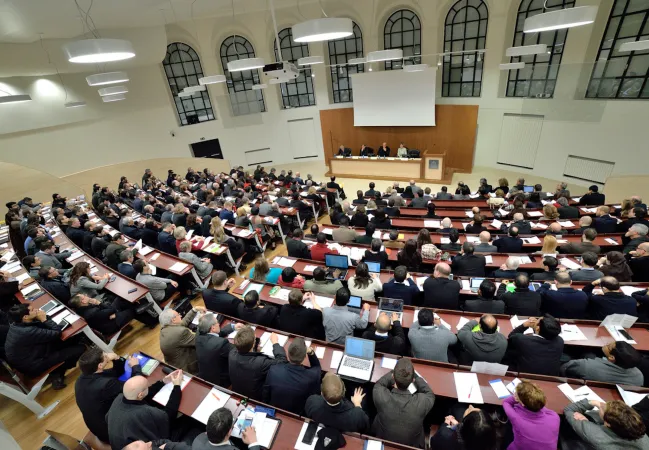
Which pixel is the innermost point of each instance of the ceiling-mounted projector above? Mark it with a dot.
(281, 70)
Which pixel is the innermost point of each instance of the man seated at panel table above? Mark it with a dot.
(344, 151)
(481, 341)
(213, 349)
(565, 302)
(467, 263)
(612, 301)
(428, 338)
(486, 301)
(587, 271)
(539, 352)
(510, 243)
(388, 334)
(521, 300)
(366, 151)
(440, 291)
(586, 244)
(288, 386)
(401, 413)
(384, 150)
(332, 409)
(619, 365)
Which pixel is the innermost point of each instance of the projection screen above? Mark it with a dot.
(394, 98)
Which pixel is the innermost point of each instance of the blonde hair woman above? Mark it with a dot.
(498, 200)
(626, 209)
(312, 191)
(216, 228)
(550, 212)
(241, 219)
(549, 245)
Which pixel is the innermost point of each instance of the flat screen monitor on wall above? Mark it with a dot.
(207, 149)
(394, 98)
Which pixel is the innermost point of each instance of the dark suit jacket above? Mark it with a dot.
(344, 416)
(441, 293)
(380, 257)
(298, 249)
(564, 303)
(640, 268)
(482, 305)
(593, 199)
(524, 302)
(568, 212)
(167, 243)
(288, 386)
(301, 321)
(76, 235)
(600, 306)
(524, 226)
(394, 343)
(605, 224)
(534, 354)
(127, 269)
(508, 244)
(221, 301)
(407, 292)
(469, 265)
(579, 248)
(248, 370)
(266, 316)
(212, 353)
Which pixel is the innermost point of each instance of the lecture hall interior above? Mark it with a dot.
(413, 224)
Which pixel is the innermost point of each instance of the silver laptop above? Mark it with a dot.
(358, 360)
(391, 305)
(475, 284)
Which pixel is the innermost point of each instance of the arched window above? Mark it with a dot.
(298, 92)
(403, 30)
(622, 74)
(341, 51)
(183, 68)
(465, 29)
(539, 76)
(243, 98)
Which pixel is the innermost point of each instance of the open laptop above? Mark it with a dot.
(333, 262)
(358, 360)
(528, 189)
(391, 305)
(475, 284)
(354, 304)
(373, 267)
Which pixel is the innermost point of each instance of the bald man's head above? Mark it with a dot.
(136, 388)
(488, 324)
(555, 227)
(518, 217)
(383, 323)
(138, 445)
(585, 221)
(485, 237)
(442, 270)
(643, 249)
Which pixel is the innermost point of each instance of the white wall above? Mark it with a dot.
(61, 142)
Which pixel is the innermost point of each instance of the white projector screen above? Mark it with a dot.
(394, 98)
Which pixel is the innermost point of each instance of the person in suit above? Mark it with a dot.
(443, 194)
(218, 299)
(636, 235)
(177, 341)
(295, 318)
(49, 258)
(166, 239)
(477, 430)
(521, 301)
(126, 266)
(288, 386)
(375, 254)
(483, 344)
(218, 431)
(586, 244)
(99, 385)
(402, 286)
(333, 409)
(486, 302)
(550, 264)
(619, 365)
(509, 269)
(75, 233)
(419, 201)
(371, 192)
(485, 244)
(638, 261)
(253, 311)
(565, 302)
(366, 151)
(368, 237)
(429, 339)
(343, 151)
(344, 233)
(593, 197)
(392, 210)
(400, 413)
(604, 222)
(613, 301)
(454, 244)
(213, 349)
(565, 210)
(440, 291)
(248, 366)
(510, 243)
(295, 247)
(587, 271)
(467, 263)
(333, 185)
(384, 150)
(359, 200)
(530, 354)
(51, 280)
(388, 334)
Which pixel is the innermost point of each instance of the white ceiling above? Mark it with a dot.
(21, 21)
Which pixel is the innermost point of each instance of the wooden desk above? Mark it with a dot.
(393, 168)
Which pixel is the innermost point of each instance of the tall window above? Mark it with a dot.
(465, 29)
(298, 92)
(341, 51)
(622, 74)
(183, 68)
(539, 76)
(243, 98)
(403, 30)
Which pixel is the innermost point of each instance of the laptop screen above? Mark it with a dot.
(528, 189)
(373, 266)
(391, 304)
(359, 348)
(336, 261)
(476, 282)
(354, 302)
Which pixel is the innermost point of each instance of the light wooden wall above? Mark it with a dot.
(455, 134)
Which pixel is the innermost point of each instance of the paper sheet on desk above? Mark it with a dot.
(496, 223)
(234, 333)
(565, 223)
(516, 322)
(267, 349)
(489, 259)
(310, 268)
(31, 288)
(282, 294)
(532, 240)
(534, 213)
(569, 263)
(145, 251)
(570, 332)
(629, 397)
(13, 267)
(324, 302)
(286, 262)
(467, 387)
(388, 363)
(432, 223)
(77, 254)
(377, 445)
(466, 285)
(7, 256)
(328, 231)
(616, 332)
(163, 394)
(575, 395)
(623, 320)
(420, 282)
(442, 322)
(524, 260)
(628, 290)
(23, 277)
(253, 287)
(463, 321)
(299, 445)
(178, 267)
(154, 257)
(473, 239)
(611, 241)
(320, 352)
(500, 389)
(489, 368)
(336, 357)
(214, 400)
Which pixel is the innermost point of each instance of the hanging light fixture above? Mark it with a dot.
(74, 104)
(113, 98)
(245, 64)
(14, 98)
(385, 55)
(113, 90)
(100, 79)
(527, 50)
(185, 94)
(323, 29)
(310, 60)
(560, 19)
(357, 61)
(416, 68)
(89, 51)
(512, 66)
(257, 87)
(194, 89)
(212, 79)
(635, 46)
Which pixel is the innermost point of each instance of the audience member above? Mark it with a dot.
(376, 253)
(539, 352)
(363, 284)
(550, 264)
(387, 334)
(290, 278)
(429, 339)
(482, 341)
(586, 244)
(611, 301)
(619, 366)
(296, 247)
(440, 291)
(339, 322)
(251, 310)
(521, 300)
(587, 271)
(485, 246)
(218, 299)
(564, 302)
(510, 243)
(402, 286)
(213, 349)
(614, 265)
(177, 341)
(486, 301)
(297, 319)
(467, 263)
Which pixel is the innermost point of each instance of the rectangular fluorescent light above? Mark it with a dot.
(415, 67)
(560, 19)
(356, 61)
(385, 55)
(309, 60)
(634, 46)
(512, 66)
(527, 50)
